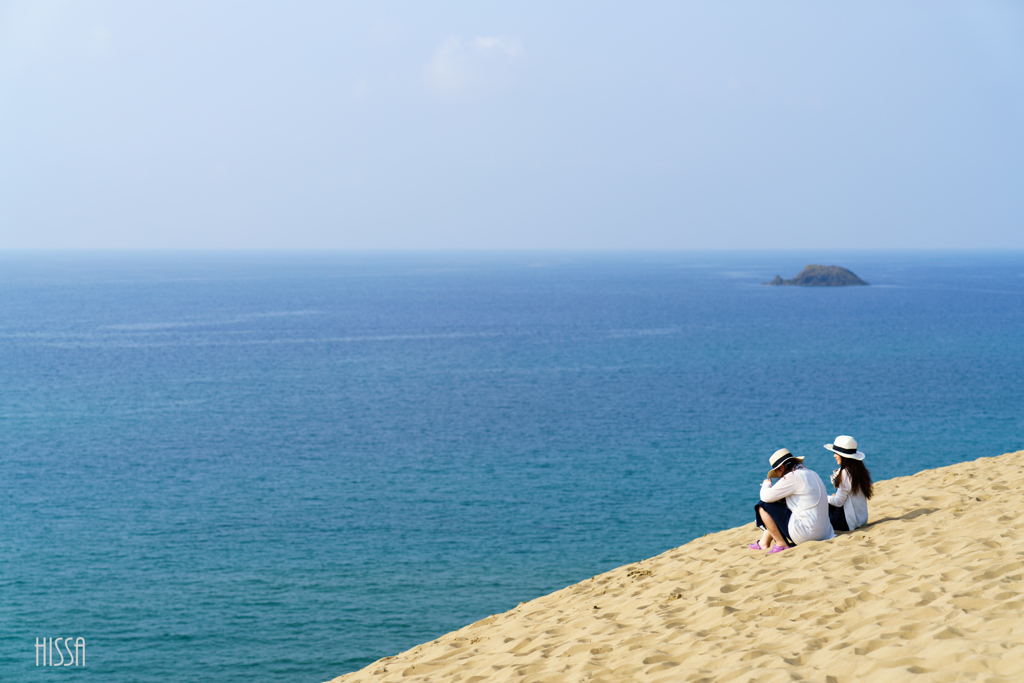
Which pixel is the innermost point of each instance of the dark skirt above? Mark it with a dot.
(838, 518)
(780, 514)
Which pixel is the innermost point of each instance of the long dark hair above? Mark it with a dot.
(860, 478)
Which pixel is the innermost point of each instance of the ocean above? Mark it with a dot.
(284, 466)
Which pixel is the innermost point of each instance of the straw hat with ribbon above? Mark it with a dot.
(780, 458)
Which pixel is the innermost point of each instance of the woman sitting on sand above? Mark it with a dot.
(848, 508)
(804, 515)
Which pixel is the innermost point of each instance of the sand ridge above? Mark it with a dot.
(932, 589)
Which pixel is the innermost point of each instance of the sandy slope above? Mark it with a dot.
(931, 590)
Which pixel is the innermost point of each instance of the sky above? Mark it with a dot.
(511, 125)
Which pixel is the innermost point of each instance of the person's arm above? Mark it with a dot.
(842, 490)
(783, 487)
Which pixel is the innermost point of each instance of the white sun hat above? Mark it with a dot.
(846, 446)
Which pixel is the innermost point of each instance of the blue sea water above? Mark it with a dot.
(242, 467)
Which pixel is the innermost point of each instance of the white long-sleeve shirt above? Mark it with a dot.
(855, 505)
(808, 501)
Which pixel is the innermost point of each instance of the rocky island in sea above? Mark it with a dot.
(821, 276)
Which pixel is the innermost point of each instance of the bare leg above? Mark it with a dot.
(772, 529)
(766, 537)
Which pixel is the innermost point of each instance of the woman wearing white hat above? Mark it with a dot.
(848, 507)
(804, 514)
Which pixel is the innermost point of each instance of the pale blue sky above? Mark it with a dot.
(511, 125)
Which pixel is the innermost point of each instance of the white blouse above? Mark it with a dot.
(855, 505)
(808, 501)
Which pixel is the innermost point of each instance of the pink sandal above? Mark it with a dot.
(755, 546)
(778, 549)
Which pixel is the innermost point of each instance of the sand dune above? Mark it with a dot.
(931, 590)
